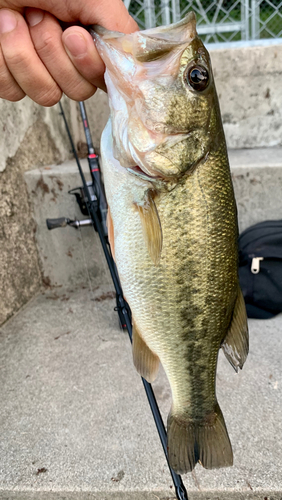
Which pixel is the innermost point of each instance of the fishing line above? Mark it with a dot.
(106, 269)
(85, 264)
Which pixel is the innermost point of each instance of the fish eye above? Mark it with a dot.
(198, 77)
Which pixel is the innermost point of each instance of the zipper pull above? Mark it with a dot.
(255, 267)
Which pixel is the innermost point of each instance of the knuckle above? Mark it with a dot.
(17, 96)
(12, 95)
(50, 97)
(81, 92)
(9, 89)
(45, 44)
(16, 58)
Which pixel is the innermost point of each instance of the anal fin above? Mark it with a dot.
(151, 227)
(145, 361)
(236, 343)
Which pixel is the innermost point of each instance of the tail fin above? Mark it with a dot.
(204, 441)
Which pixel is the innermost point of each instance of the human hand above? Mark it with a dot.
(39, 59)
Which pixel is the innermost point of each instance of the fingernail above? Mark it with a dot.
(8, 21)
(75, 44)
(34, 17)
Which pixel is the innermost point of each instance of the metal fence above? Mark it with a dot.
(217, 21)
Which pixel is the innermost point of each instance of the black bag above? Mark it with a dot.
(260, 268)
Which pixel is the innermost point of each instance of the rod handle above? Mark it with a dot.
(60, 222)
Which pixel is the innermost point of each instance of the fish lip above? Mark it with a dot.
(139, 172)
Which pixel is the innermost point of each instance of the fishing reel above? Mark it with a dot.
(81, 199)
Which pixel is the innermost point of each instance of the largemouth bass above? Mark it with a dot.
(173, 226)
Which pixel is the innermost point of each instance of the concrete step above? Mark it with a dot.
(75, 423)
(257, 177)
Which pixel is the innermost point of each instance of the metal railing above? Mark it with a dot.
(217, 21)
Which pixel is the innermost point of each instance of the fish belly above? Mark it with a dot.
(183, 306)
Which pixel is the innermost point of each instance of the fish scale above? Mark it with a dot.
(174, 230)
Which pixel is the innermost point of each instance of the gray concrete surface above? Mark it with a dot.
(250, 94)
(75, 423)
(30, 137)
(62, 252)
(257, 178)
(16, 118)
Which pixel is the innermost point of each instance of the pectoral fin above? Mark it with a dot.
(111, 236)
(236, 343)
(151, 226)
(145, 361)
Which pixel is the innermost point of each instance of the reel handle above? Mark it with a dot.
(60, 222)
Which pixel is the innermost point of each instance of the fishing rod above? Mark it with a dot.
(93, 161)
(92, 202)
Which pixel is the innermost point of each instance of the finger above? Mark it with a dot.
(112, 14)
(82, 52)
(9, 89)
(46, 35)
(22, 61)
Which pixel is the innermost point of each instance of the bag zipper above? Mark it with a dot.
(255, 263)
(255, 266)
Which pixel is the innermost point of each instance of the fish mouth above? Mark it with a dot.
(143, 175)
